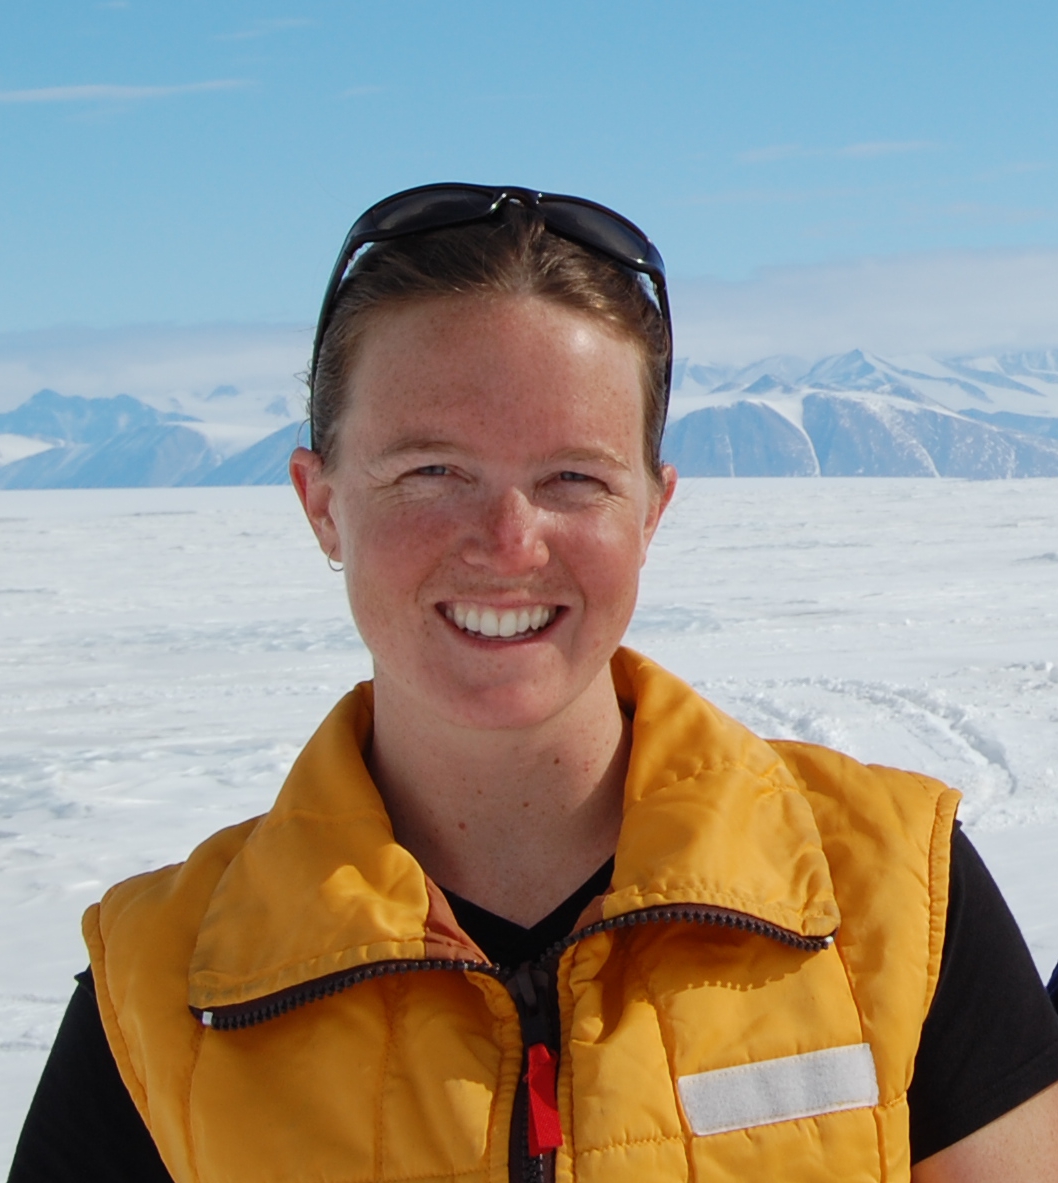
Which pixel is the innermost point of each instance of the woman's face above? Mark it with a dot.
(489, 498)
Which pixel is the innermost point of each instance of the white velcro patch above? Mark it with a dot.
(809, 1085)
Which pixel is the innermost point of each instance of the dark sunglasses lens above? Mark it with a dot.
(431, 209)
(607, 233)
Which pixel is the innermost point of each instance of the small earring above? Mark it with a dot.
(333, 565)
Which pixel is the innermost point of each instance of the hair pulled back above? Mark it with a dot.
(512, 253)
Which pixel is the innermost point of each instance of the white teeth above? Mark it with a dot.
(504, 623)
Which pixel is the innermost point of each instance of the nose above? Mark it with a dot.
(509, 538)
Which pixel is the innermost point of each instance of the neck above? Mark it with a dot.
(513, 820)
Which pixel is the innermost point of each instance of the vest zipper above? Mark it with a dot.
(271, 1006)
(536, 1131)
(693, 914)
(534, 1119)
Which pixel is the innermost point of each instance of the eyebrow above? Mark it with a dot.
(571, 455)
(606, 455)
(418, 444)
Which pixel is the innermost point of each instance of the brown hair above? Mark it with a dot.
(510, 254)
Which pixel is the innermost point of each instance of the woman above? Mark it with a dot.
(527, 907)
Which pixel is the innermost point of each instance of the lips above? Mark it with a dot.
(505, 624)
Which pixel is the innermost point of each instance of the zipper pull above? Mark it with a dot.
(545, 1125)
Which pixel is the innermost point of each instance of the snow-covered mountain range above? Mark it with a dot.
(55, 441)
(855, 414)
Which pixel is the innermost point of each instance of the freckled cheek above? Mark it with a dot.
(606, 565)
(391, 556)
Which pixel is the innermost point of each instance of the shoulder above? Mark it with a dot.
(140, 939)
(876, 819)
(887, 836)
(162, 905)
(886, 806)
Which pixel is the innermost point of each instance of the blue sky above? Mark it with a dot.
(195, 162)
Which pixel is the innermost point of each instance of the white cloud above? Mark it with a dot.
(157, 363)
(940, 303)
(868, 150)
(937, 303)
(263, 28)
(95, 93)
(771, 153)
(873, 148)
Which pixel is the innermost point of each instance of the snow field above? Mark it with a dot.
(166, 652)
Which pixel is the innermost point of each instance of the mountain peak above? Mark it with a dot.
(72, 419)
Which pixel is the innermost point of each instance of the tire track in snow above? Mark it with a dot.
(935, 710)
(946, 736)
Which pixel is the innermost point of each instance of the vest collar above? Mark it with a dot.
(711, 817)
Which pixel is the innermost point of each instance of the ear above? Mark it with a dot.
(315, 492)
(659, 503)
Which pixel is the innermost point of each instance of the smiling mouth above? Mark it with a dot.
(504, 624)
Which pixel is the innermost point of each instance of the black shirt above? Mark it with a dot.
(989, 1043)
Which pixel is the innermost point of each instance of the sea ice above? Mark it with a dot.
(166, 652)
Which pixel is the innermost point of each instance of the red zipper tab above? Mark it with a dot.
(545, 1126)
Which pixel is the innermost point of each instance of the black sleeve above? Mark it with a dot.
(990, 1040)
(82, 1126)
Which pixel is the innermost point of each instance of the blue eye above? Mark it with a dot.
(432, 470)
(573, 476)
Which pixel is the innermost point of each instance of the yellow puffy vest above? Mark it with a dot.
(296, 1002)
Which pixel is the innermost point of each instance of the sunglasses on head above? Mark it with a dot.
(434, 207)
